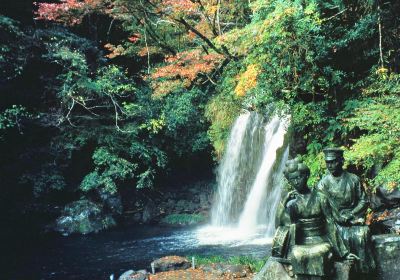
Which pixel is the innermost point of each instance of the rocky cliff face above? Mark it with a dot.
(177, 206)
(194, 199)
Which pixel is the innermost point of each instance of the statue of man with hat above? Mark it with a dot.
(346, 195)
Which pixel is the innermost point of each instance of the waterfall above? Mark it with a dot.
(250, 174)
(264, 188)
(237, 167)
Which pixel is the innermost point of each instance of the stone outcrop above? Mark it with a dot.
(387, 255)
(83, 216)
(170, 263)
(385, 221)
(154, 206)
(385, 217)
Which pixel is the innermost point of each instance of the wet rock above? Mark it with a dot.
(204, 201)
(83, 216)
(385, 199)
(387, 221)
(134, 275)
(170, 263)
(235, 271)
(181, 206)
(387, 253)
(126, 275)
(155, 206)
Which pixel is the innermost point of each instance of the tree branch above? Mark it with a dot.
(380, 37)
(224, 50)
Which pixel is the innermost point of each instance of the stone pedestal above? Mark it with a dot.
(341, 270)
(387, 256)
(272, 270)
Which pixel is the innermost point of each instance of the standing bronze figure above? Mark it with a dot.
(348, 200)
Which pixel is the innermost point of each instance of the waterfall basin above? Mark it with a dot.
(97, 256)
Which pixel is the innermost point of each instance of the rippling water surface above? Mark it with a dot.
(97, 256)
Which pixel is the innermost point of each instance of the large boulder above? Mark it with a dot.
(83, 216)
(170, 263)
(386, 221)
(385, 199)
(387, 256)
(386, 211)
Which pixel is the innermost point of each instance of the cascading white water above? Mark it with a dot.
(274, 194)
(275, 132)
(249, 180)
(228, 174)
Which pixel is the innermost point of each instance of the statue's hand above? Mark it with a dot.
(290, 196)
(352, 257)
(359, 221)
(346, 217)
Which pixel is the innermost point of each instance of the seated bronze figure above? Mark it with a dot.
(310, 242)
(349, 202)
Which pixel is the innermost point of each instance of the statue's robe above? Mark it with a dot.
(280, 242)
(314, 240)
(349, 203)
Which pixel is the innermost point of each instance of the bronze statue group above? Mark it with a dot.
(319, 226)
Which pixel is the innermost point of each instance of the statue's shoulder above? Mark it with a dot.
(352, 177)
(323, 182)
(318, 193)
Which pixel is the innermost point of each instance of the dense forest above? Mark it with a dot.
(115, 96)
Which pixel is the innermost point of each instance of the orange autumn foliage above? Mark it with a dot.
(377, 217)
(247, 80)
(184, 67)
(114, 50)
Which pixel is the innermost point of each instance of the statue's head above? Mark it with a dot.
(297, 173)
(334, 160)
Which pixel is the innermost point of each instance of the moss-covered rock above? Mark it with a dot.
(83, 216)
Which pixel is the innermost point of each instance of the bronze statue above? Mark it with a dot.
(310, 242)
(348, 200)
